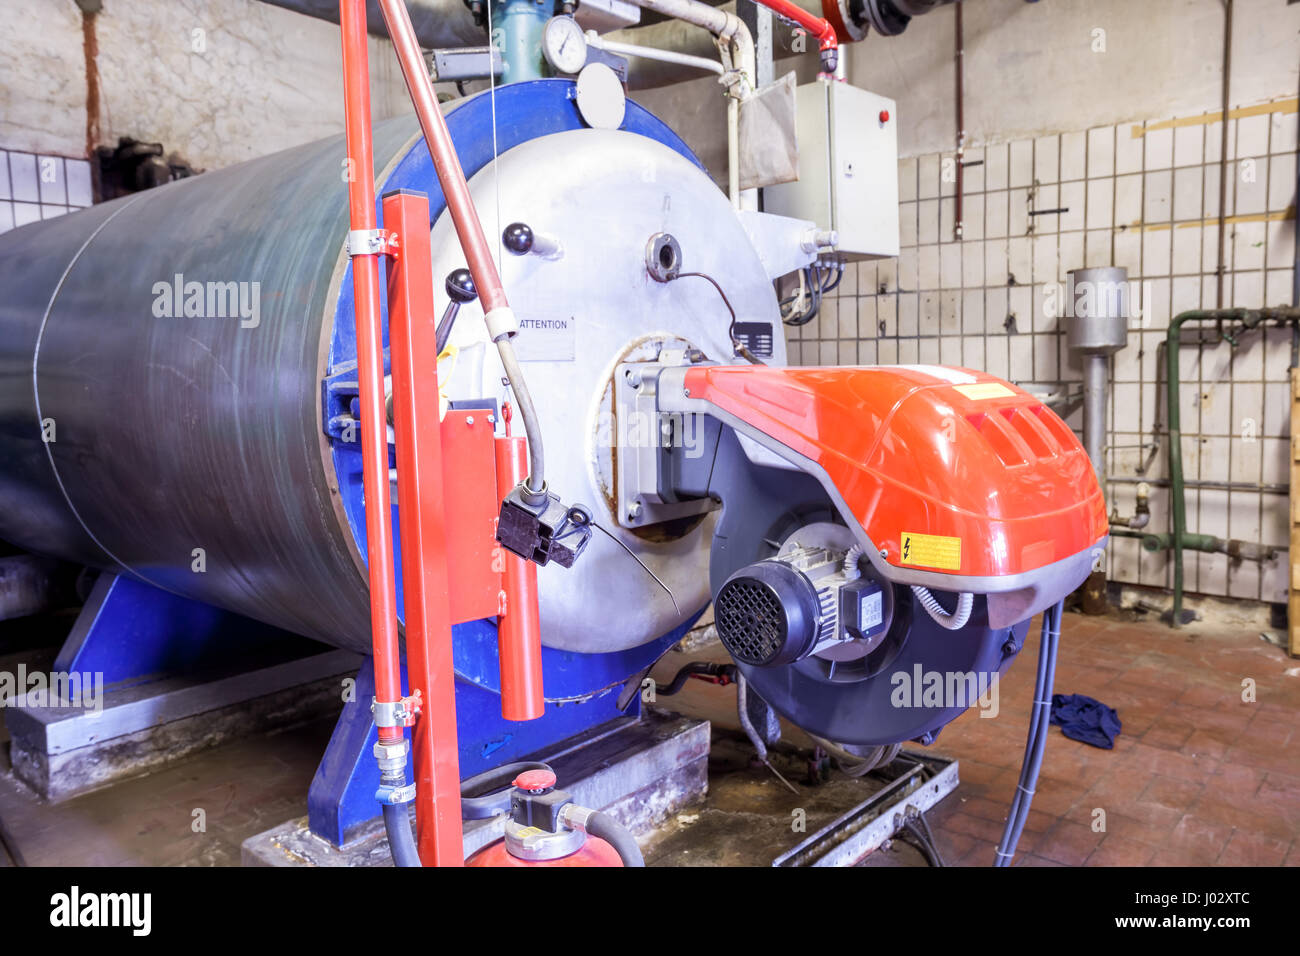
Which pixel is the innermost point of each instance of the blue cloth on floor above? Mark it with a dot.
(1084, 719)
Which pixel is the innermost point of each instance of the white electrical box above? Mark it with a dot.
(848, 169)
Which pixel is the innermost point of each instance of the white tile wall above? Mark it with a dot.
(1143, 196)
(34, 187)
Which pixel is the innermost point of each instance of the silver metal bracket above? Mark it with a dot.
(367, 242)
(643, 431)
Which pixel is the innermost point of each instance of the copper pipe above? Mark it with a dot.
(464, 216)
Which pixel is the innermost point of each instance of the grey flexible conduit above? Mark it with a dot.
(536, 480)
(953, 621)
(1036, 741)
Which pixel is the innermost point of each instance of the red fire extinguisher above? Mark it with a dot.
(546, 828)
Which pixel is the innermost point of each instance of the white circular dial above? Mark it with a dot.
(564, 45)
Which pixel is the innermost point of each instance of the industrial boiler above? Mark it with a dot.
(187, 390)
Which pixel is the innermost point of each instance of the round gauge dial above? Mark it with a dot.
(563, 45)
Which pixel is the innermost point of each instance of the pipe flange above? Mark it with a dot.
(663, 257)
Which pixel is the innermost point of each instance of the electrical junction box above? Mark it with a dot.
(848, 169)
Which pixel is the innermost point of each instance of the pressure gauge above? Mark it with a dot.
(564, 45)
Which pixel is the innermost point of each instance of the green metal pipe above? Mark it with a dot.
(1188, 542)
(517, 33)
(1179, 539)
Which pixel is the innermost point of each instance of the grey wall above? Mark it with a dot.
(217, 81)
(1034, 68)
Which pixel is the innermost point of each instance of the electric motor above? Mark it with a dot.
(804, 601)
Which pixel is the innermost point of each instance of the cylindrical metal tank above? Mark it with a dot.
(1097, 327)
(1097, 322)
(162, 359)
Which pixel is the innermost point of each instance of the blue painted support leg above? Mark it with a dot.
(341, 801)
(132, 633)
(586, 687)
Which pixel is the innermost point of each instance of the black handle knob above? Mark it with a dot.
(518, 238)
(460, 286)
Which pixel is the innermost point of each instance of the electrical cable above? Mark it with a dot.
(738, 347)
(918, 828)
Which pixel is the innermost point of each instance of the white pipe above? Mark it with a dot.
(722, 24)
(733, 153)
(594, 39)
(731, 33)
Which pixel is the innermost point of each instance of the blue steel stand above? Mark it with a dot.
(134, 633)
(154, 676)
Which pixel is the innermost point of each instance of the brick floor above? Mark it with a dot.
(1198, 776)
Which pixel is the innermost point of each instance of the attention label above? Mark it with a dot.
(546, 337)
(985, 390)
(931, 551)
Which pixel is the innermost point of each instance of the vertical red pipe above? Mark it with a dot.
(421, 502)
(370, 359)
(519, 628)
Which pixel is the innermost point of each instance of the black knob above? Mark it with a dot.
(460, 286)
(518, 238)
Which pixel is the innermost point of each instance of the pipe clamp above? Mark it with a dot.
(399, 713)
(370, 242)
(395, 795)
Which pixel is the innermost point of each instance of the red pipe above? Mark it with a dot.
(817, 26)
(370, 361)
(451, 177)
(518, 627)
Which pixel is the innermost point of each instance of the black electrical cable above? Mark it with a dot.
(708, 668)
(839, 277)
(813, 287)
(918, 828)
(738, 347)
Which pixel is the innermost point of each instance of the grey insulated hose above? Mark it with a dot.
(954, 620)
(1036, 741)
(401, 842)
(602, 825)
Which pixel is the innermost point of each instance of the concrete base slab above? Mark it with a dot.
(61, 751)
(640, 770)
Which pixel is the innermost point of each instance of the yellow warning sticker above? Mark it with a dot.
(931, 551)
(985, 390)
